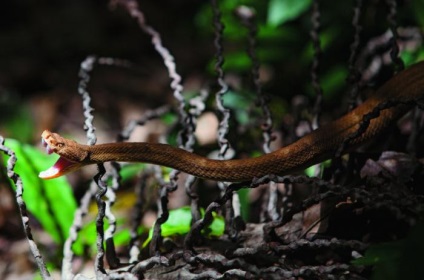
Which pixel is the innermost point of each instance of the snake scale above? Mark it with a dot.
(404, 89)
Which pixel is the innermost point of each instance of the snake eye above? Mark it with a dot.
(60, 145)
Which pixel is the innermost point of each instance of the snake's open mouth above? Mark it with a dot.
(59, 168)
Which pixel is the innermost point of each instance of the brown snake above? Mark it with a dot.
(404, 89)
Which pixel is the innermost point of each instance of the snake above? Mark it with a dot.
(403, 91)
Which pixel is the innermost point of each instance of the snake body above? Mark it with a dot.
(404, 89)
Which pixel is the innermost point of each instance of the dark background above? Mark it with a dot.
(42, 44)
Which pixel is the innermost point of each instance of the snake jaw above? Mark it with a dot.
(61, 167)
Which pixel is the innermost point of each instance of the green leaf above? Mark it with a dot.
(179, 223)
(239, 101)
(269, 32)
(380, 253)
(385, 258)
(169, 118)
(20, 121)
(400, 259)
(244, 202)
(312, 170)
(237, 61)
(217, 226)
(50, 201)
(417, 6)
(281, 11)
(333, 80)
(326, 37)
(129, 171)
(410, 57)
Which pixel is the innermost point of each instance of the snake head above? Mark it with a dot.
(71, 154)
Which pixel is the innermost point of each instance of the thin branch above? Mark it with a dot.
(45, 274)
